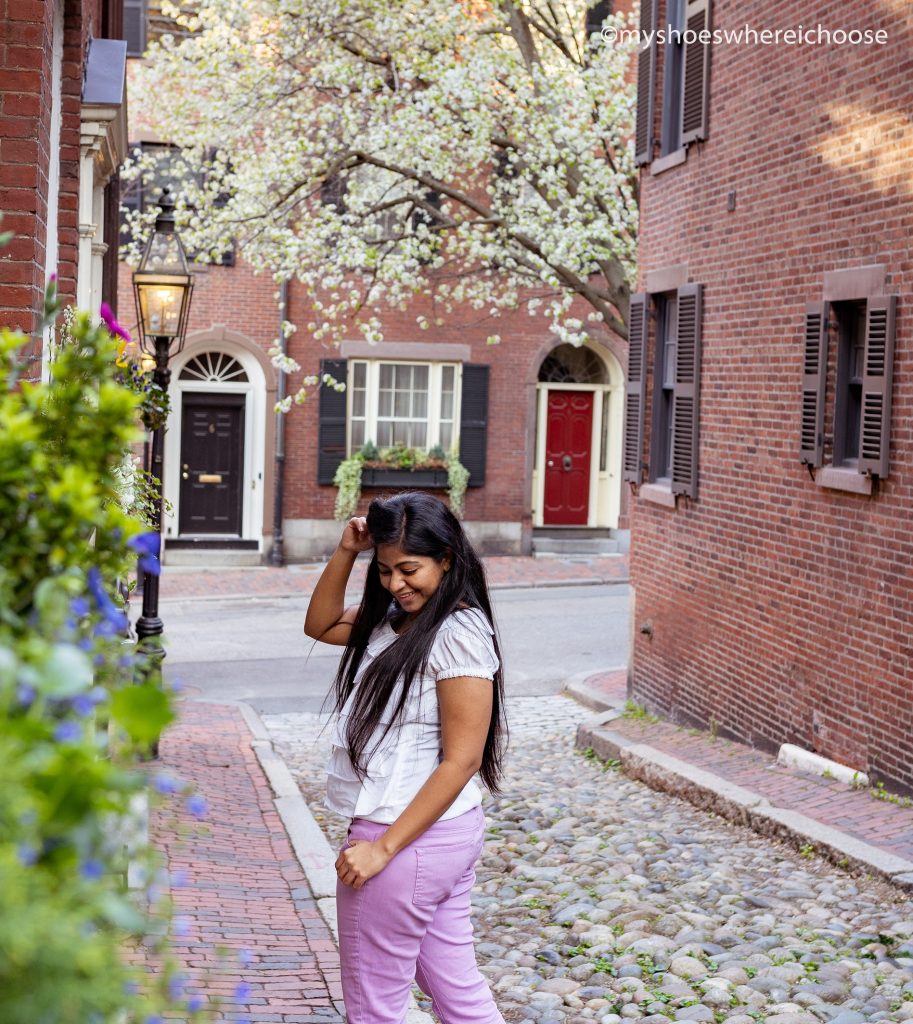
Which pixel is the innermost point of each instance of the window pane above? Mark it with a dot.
(358, 434)
(358, 403)
(386, 375)
(401, 403)
(415, 432)
(384, 434)
(446, 440)
(420, 404)
(385, 403)
(359, 375)
(420, 378)
(447, 405)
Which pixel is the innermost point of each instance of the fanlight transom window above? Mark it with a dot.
(568, 364)
(214, 368)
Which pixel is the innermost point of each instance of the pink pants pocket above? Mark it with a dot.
(439, 868)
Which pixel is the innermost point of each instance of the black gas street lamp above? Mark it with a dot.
(162, 285)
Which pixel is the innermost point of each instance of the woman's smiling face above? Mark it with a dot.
(411, 579)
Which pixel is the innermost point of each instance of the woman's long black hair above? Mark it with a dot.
(422, 525)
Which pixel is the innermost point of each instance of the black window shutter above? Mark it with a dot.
(646, 83)
(686, 393)
(474, 421)
(814, 382)
(878, 369)
(634, 390)
(331, 444)
(697, 72)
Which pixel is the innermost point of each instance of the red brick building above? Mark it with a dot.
(539, 424)
(769, 445)
(62, 137)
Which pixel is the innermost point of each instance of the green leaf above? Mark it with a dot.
(65, 672)
(143, 711)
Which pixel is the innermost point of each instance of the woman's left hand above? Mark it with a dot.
(359, 861)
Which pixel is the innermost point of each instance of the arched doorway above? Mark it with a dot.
(216, 446)
(576, 480)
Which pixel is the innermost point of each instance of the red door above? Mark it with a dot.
(568, 433)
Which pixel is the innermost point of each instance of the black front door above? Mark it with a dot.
(212, 464)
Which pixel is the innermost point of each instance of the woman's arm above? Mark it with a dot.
(327, 618)
(465, 705)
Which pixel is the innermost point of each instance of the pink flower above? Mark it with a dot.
(114, 328)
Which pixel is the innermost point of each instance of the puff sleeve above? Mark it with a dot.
(464, 646)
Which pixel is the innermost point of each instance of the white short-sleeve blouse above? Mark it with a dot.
(411, 750)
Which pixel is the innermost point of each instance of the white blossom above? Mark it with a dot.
(477, 153)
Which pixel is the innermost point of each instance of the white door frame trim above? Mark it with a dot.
(613, 394)
(254, 462)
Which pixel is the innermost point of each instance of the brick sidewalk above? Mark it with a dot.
(299, 580)
(855, 812)
(244, 889)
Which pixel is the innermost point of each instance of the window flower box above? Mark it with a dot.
(392, 476)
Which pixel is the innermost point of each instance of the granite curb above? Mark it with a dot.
(581, 581)
(313, 851)
(708, 791)
(591, 696)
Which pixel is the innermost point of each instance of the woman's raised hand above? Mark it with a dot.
(355, 536)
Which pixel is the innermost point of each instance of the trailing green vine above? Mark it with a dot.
(348, 480)
(457, 481)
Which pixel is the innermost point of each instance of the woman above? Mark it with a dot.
(419, 696)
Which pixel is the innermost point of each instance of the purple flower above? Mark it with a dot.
(25, 695)
(83, 705)
(114, 328)
(242, 992)
(195, 1004)
(165, 784)
(68, 732)
(179, 879)
(27, 855)
(181, 927)
(176, 987)
(197, 806)
(246, 957)
(148, 546)
(79, 606)
(115, 621)
(92, 869)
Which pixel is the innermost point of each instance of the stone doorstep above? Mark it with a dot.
(667, 774)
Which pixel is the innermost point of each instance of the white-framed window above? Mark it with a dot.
(410, 403)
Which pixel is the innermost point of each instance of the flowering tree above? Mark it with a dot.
(474, 151)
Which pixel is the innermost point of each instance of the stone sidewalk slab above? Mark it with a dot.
(863, 829)
(244, 911)
(504, 572)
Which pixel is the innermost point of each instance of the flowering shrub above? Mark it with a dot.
(66, 670)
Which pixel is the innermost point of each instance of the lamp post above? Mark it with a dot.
(162, 285)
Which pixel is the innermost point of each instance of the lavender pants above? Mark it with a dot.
(411, 921)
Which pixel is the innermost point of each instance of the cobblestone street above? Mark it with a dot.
(600, 899)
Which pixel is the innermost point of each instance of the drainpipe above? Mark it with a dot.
(277, 554)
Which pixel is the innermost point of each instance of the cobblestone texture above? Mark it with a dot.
(601, 900)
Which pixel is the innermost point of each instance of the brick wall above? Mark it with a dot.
(26, 69)
(780, 610)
